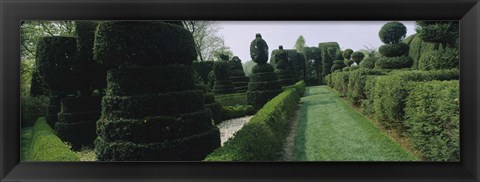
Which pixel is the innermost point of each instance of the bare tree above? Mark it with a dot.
(206, 39)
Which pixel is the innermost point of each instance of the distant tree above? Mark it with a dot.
(206, 39)
(300, 44)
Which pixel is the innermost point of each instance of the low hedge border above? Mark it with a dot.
(230, 112)
(232, 99)
(261, 139)
(46, 146)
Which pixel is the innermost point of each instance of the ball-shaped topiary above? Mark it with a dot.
(368, 62)
(259, 50)
(357, 57)
(149, 43)
(393, 50)
(439, 59)
(392, 32)
(347, 53)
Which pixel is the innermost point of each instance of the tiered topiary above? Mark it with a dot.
(327, 60)
(444, 33)
(223, 84)
(152, 110)
(77, 119)
(237, 75)
(338, 63)
(283, 67)
(394, 52)
(55, 58)
(264, 84)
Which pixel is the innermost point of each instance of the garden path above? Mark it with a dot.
(329, 129)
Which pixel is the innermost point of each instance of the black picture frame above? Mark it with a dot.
(13, 11)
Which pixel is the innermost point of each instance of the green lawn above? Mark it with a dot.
(331, 130)
(25, 139)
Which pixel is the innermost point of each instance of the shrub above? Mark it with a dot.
(367, 104)
(432, 119)
(391, 91)
(223, 84)
(149, 43)
(356, 83)
(393, 50)
(263, 86)
(229, 112)
(259, 50)
(38, 86)
(46, 146)
(32, 108)
(326, 59)
(262, 138)
(300, 86)
(346, 69)
(444, 32)
(418, 47)
(358, 57)
(347, 53)
(340, 82)
(392, 32)
(394, 62)
(232, 99)
(203, 68)
(439, 59)
(368, 62)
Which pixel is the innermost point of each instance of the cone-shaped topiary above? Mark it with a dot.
(283, 67)
(152, 111)
(237, 75)
(395, 52)
(264, 84)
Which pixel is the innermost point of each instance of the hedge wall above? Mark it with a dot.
(46, 146)
(356, 83)
(391, 91)
(433, 124)
(339, 81)
(262, 138)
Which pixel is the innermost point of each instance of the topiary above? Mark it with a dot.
(223, 84)
(394, 62)
(347, 53)
(358, 56)
(444, 32)
(439, 59)
(149, 43)
(392, 32)
(284, 67)
(221, 70)
(259, 50)
(326, 59)
(392, 50)
(368, 62)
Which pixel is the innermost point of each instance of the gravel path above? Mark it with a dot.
(231, 126)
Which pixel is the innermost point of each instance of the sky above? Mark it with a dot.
(349, 34)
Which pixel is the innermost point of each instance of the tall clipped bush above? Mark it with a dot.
(147, 116)
(237, 75)
(357, 57)
(326, 59)
(284, 67)
(394, 52)
(264, 84)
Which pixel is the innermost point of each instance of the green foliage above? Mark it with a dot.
(357, 57)
(433, 119)
(339, 81)
(394, 62)
(439, 59)
(347, 53)
(247, 67)
(391, 91)
(346, 69)
(263, 85)
(142, 43)
(444, 32)
(37, 86)
(232, 99)
(262, 138)
(203, 68)
(348, 62)
(392, 32)
(32, 108)
(221, 70)
(394, 50)
(418, 47)
(368, 62)
(368, 103)
(45, 146)
(56, 58)
(300, 43)
(259, 50)
(236, 111)
(356, 83)
(327, 61)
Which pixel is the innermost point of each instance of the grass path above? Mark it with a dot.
(331, 130)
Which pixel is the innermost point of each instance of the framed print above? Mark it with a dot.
(239, 90)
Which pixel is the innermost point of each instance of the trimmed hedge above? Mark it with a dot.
(433, 124)
(368, 103)
(232, 99)
(393, 50)
(46, 146)
(439, 59)
(357, 57)
(394, 62)
(327, 61)
(339, 81)
(391, 91)
(368, 62)
(262, 138)
(230, 112)
(419, 47)
(203, 68)
(142, 43)
(263, 86)
(356, 83)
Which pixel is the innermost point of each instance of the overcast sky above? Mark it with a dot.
(349, 34)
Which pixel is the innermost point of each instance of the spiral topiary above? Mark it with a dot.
(152, 110)
(264, 84)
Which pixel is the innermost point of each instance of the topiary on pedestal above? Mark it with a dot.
(237, 75)
(283, 67)
(55, 58)
(77, 119)
(223, 84)
(264, 84)
(152, 110)
(394, 52)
